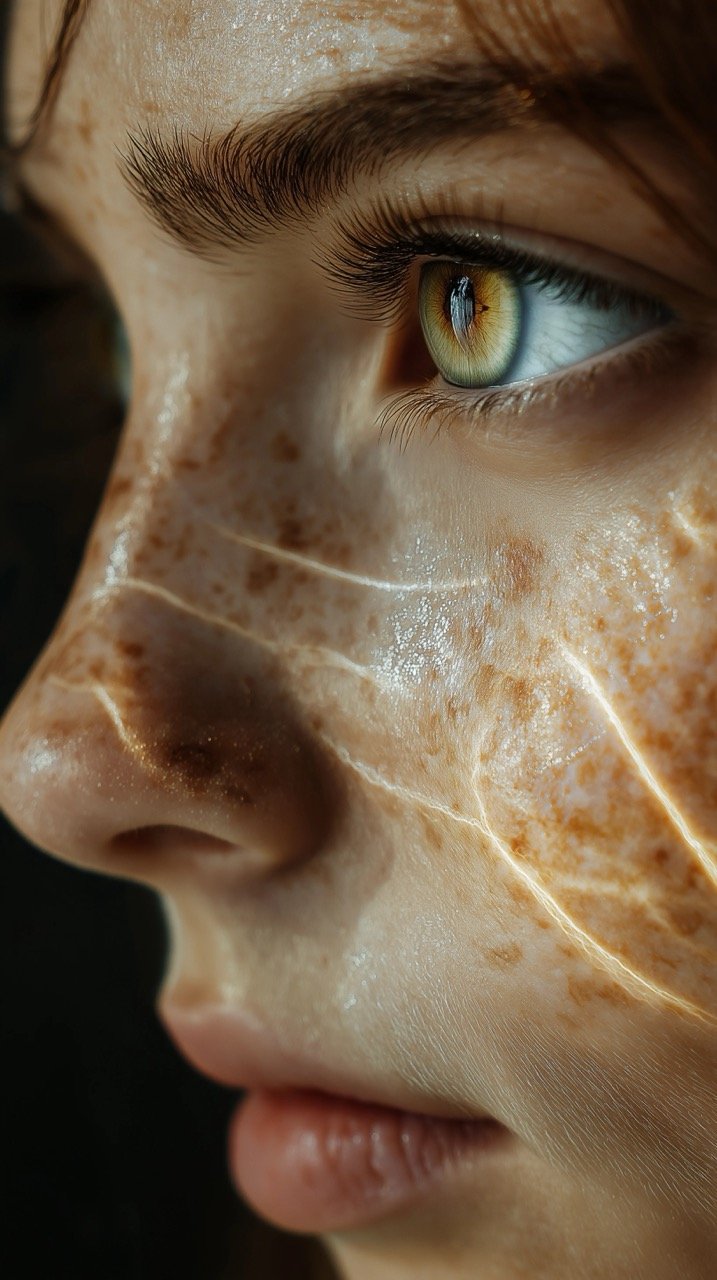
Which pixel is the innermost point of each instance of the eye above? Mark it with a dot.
(487, 326)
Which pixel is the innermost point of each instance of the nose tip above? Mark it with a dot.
(145, 741)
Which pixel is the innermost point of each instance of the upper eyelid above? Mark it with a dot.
(421, 207)
(376, 273)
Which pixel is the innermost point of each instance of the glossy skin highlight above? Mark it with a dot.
(418, 746)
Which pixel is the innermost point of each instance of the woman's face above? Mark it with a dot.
(402, 694)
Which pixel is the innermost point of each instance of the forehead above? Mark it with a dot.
(210, 61)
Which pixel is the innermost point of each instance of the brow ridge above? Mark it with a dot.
(213, 193)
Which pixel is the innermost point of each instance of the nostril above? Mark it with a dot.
(154, 839)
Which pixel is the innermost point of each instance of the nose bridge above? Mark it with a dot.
(154, 706)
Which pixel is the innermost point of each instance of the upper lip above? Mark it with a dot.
(234, 1048)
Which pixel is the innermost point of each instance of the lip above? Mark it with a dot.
(313, 1148)
(234, 1048)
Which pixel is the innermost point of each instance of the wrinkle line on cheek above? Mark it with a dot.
(330, 657)
(332, 571)
(665, 801)
(595, 951)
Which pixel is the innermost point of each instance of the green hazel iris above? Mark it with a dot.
(471, 321)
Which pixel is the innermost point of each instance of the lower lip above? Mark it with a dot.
(310, 1162)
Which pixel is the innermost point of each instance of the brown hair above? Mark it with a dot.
(672, 45)
(71, 17)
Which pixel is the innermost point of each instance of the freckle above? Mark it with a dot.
(518, 845)
(292, 535)
(485, 680)
(85, 127)
(701, 507)
(130, 648)
(580, 991)
(519, 893)
(188, 464)
(284, 449)
(94, 553)
(117, 488)
(260, 577)
(519, 560)
(504, 957)
(522, 696)
(685, 920)
(612, 994)
(431, 833)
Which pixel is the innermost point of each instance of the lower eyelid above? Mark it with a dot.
(438, 407)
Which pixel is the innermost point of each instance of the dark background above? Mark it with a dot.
(113, 1148)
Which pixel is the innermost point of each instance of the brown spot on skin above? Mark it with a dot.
(580, 991)
(130, 648)
(117, 488)
(687, 921)
(518, 561)
(504, 957)
(701, 508)
(284, 449)
(261, 577)
(292, 535)
(85, 124)
(432, 833)
(520, 694)
(209, 764)
(520, 894)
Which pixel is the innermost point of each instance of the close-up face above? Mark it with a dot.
(390, 664)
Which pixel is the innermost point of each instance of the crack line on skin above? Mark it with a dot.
(342, 575)
(97, 690)
(688, 528)
(653, 785)
(330, 656)
(617, 968)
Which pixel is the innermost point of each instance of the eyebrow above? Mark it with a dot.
(215, 193)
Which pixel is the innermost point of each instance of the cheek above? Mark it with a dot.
(597, 779)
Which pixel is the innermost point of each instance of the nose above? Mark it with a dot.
(154, 735)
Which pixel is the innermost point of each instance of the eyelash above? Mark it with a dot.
(370, 265)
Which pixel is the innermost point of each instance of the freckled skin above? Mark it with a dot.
(452, 711)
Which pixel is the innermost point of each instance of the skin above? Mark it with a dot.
(450, 811)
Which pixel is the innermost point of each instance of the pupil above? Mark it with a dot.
(462, 307)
